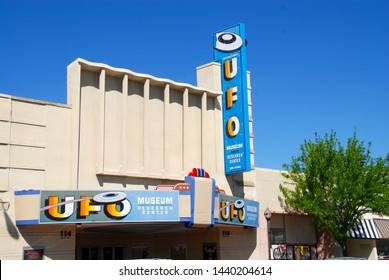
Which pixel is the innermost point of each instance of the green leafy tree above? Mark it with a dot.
(336, 185)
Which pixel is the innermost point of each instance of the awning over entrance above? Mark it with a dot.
(364, 229)
(383, 227)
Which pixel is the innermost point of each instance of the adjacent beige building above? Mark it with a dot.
(369, 239)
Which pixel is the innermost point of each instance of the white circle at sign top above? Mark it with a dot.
(239, 204)
(227, 36)
(109, 197)
(227, 41)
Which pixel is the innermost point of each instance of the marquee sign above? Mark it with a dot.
(238, 211)
(230, 51)
(197, 202)
(109, 206)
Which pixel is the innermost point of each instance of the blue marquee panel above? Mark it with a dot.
(230, 52)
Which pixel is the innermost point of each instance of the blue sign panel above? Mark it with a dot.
(230, 51)
(109, 206)
(238, 211)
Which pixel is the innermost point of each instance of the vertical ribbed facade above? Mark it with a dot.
(138, 126)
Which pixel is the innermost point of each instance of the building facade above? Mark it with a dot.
(134, 166)
(64, 170)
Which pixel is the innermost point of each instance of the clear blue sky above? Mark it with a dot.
(315, 66)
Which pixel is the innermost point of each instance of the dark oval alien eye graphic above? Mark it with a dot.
(227, 41)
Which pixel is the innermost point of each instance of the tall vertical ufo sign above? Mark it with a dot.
(230, 51)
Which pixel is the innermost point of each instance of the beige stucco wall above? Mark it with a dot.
(35, 148)
(362, 248)
(47, 237)
(239, 244)
(14, 239)
(268, 189)
(34, 144)
(298, 229)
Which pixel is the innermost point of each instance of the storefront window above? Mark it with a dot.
(105, 253)
(178, 252)
(209, 251)
(85, 253)
(304, 252)
(118, 253)
(94, 253)
(33, 253)
(383, 248)
(313, 253)
(277, 235)
(297, 253)
(140, 252)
